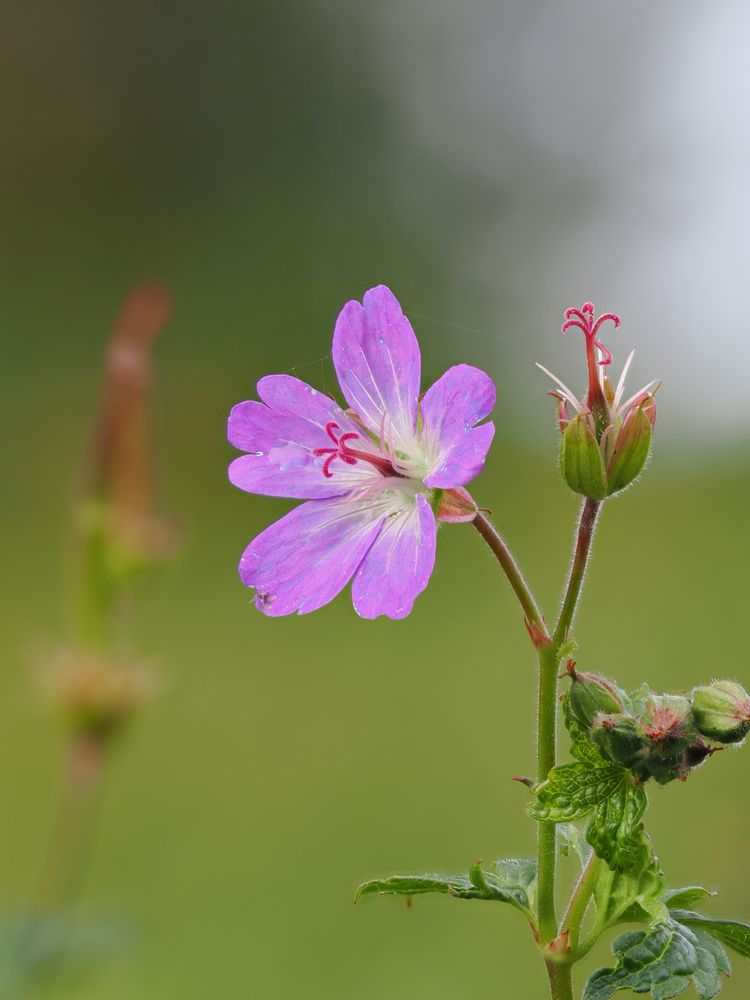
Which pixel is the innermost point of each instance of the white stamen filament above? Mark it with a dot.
(570, 397)
(646, 389)
(621, 383)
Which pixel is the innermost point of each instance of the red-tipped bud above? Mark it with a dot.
(591, 695)
(455, 506)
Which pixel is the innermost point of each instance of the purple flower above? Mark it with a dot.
(373, 475)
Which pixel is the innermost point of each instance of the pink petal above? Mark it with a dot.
(399, 564)
(281, 438)
(304, 560)
(377, 361)
(450, 409)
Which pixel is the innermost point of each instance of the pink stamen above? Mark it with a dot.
(327, 464)
(350, 455)
(332, 426)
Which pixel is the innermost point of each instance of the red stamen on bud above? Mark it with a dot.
(585, 320)
(590, 325)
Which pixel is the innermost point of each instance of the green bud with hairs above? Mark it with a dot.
(722, 711)
(591, 694)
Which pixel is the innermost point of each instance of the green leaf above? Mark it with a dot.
(511, 881)
(628, 898)
(572, 839)
(519, 872)
(572, 790)
(686, 896)
(713, 964)
(416, 885)
(592, 784)
(662, 960)
(659, 960)
(615, 831)
(733, 933)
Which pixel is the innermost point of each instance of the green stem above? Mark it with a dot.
(549, 659)
(546, 752)
(512, 571)
(560, 981)
(584, 536)
(579, 902)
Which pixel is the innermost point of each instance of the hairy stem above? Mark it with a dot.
(512, 571)
(549, 658)
(584, 536)
(560, 981)
(579, 901)
(546, 751)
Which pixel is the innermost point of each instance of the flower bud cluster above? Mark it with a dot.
(660, 736)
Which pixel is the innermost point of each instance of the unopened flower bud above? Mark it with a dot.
(591, 694)
(668, 720)
(454, 506)
(619, 739)
(722, 711)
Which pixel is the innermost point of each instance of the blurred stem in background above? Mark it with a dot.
(119, 535)
(96, 684)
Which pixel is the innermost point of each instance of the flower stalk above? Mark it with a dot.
(549, 660)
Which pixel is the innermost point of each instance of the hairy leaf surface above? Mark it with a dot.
(733, 933)
(510, 881)
(663, 961)
(615, 830)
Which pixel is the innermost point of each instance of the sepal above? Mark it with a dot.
(581, 461)
(456, 506)
(630, 452)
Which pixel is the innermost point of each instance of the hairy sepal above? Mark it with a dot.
(581, 461)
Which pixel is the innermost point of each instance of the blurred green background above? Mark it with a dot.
(493, 163)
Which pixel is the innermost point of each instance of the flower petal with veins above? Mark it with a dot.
(376, 357)
(398, 565)
(304, 560)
